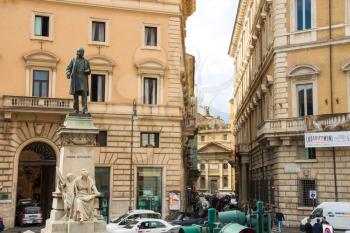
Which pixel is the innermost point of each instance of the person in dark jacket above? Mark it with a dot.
(308, 226)
(78, 71)
(324, 221)
(317, 228)
(2, 226)
(279, 218)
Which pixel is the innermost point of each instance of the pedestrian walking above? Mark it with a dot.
(317, 228)
(2, 226)
(308, 226)
(324, 221)
(279, 218)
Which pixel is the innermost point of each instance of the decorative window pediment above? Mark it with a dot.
(303, 70)
(150, 66)
(346, 66)
(101, 63)
(41, 58)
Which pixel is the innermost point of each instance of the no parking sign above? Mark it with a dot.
(327, 228)
(313, 194)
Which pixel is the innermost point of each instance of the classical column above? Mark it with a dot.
(220, 176)
(244, 178)
(229, 174)
(109, 86)
(53, 83)
(27, 81)
(206, 175)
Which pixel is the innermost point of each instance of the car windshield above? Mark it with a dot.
(120, 218)
(32, 210)
(26, 202)
(179, 216)
(131, 224)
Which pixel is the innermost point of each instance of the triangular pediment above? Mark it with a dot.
(41, 56)
(214, 147)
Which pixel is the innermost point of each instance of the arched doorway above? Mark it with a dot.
(36, 175)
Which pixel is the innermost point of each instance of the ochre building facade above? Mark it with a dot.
(292, 67)
(136, 52)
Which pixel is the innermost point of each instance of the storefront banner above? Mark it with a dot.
(327, 139)
(174, 201)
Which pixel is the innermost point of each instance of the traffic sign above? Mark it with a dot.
(327, 228)
(313, 194)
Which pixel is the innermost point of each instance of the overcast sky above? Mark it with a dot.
(209, 32)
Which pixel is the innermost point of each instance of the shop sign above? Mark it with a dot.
(327, 139)
(4, 196)
(174, 201)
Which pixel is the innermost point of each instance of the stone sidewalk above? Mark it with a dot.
(295, 230)
(35, 229)
(287, 230)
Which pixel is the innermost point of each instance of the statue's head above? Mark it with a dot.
(84, 172)
(70, 176)
(80, 52)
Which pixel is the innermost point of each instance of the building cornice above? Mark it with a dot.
(238, 26)
(189, 7)
(257, 87)
(259, 19)
(127, 5)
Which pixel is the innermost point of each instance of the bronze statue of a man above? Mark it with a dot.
(78, 71)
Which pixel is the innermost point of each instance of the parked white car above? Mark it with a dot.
(336, 213)
(147, 225)
(131, 215)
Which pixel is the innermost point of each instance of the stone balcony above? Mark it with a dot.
(278, 130)
(61, 106)
(27, 103)
(242, 148)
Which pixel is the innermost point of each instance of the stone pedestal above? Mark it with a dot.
(78, 138)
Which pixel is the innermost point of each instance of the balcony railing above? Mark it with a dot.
(284, 126)
(328, 122)
(36, 102)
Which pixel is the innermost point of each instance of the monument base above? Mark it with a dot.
(98, 226)
(77, 153)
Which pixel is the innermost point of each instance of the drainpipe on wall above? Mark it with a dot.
(331, 91)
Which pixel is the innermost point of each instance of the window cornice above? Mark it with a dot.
(303, 70)
(41, 58)
(101, 63)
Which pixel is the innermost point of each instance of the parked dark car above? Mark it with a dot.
(186, 219)
(28, 212)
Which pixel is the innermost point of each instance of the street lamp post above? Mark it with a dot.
(133, 117)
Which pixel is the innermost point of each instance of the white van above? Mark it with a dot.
(336, 213)
(120, 222)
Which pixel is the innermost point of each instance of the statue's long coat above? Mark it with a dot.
(78, 74)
